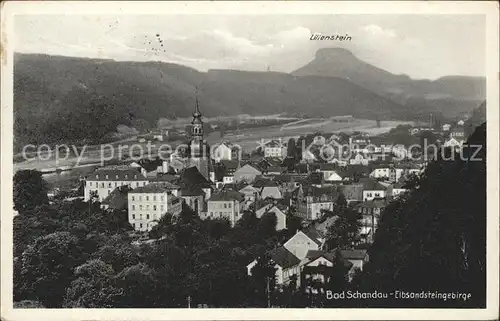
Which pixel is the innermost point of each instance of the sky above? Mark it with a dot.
(421, 46)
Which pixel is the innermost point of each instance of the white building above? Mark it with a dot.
(148, 204)
(226, 204)
(280, 212)
(226, 151)
(104, 180)
(275, 149)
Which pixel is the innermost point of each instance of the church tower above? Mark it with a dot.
(200, 156)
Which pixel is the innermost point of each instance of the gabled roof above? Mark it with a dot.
(191, 191)
(117, 173)
(192, 177)
(164, 178)
(227, 195)
(372, 184)
(230, 164)
(313, 234)
(150, 188)
(284, 258)
(118, 198)
(252, 165)
(260, 182)
(312, 255)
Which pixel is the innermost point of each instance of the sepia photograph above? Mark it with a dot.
(200, 157)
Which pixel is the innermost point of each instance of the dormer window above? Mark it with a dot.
(97, 176)
(116, 176)
(126, 176)
(107, 177)
(135, 176)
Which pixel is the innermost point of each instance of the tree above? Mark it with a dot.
(267, 225)
(433, 238)
(30, 190)
(93, 287)
(291, 149)
(49, 264)
(138, 285)
(344, 230)
(263, 281)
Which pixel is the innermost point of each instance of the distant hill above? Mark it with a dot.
(62, 99)
(341, 63)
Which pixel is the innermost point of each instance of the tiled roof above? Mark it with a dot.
(150, 188)
(313, 234)
(284, 258)
(118, 198)
(191, 176)
(118, 173)
(227, 195)
(230, 164)
(372, 184)
(192, 191)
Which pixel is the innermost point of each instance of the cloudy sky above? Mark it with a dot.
(421, 46)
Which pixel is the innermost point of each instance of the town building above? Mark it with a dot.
(226, 204)
(247, 173)
(372, 189)
(147, 205)
(304, 241)
(275, 149)
(312, 201)
(104, 180)
(280, 212)
(286, 264)
(226, 151)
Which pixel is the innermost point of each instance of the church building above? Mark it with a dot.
(199, 150)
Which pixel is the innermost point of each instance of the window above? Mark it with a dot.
(154, 207)
(116, 176)
(162, 198)
(102, 185)
(90, 183)
(97, 176)
(133, 198)
(140, 198)
(147, 216)
(116, 184)
(135, 176)
(126, 176)
(107, 177)
(147, 198)
(140, 225)
(154, 216)
(133, 207)
(133, 216)
(225, 205)
(136, 184)
(109, 191)
(147, 207)
(162, 208)
(140, 207)
(140, 216)
(154, 198)
(229, 205)
(109, 185)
